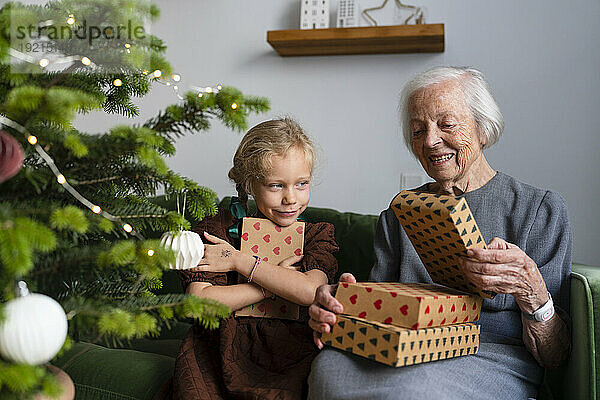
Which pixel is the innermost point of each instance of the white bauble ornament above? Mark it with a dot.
(34, 329)
(188, 248)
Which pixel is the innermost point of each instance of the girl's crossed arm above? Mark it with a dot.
(234, 296)
(297, 287)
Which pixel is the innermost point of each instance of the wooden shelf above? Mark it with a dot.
(423, 38)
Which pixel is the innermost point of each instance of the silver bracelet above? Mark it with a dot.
(542, 314)
(257, 260)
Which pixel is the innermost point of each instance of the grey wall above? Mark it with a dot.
(541, 57)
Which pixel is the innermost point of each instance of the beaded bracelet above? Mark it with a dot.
(256, 262)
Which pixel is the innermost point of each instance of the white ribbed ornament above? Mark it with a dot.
(34, 330)
(188, 248)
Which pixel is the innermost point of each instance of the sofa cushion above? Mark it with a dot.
(100, 373)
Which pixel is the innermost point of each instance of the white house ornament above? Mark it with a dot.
(188, 248)
(314, 14)
(347, 14)
(34, 328)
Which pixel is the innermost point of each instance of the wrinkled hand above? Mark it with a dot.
(324, 308)
(218, 257)
(504, 268)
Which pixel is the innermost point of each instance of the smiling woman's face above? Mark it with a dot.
(445, 137)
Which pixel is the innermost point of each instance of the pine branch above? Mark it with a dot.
(102, 277)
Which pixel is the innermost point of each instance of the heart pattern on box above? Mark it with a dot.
(264, 238)
(271, 308)
(408, 305)
(273, 243)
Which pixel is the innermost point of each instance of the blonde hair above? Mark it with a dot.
(252, 160)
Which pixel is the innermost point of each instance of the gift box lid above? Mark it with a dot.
(441, 229)
(408, 305)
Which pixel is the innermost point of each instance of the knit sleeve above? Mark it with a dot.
(386, 244)
(549, 244)
(216, 226)
(319, 249)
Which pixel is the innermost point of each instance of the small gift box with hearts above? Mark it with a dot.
(408, 305)
(441, 229)
(398, 347)
(273, 243)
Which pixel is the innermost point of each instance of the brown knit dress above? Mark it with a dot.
(251, 358)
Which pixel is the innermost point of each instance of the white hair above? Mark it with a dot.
(477, 94)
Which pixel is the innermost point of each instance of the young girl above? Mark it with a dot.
(258, 358)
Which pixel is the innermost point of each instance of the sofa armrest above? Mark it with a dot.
(583, 367)
(576, 379)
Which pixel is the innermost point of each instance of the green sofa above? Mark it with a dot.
(140, 370)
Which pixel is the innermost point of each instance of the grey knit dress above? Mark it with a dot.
(535, 220)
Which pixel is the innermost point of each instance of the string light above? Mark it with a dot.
(44, 62)
(61, 178)
(150, 253)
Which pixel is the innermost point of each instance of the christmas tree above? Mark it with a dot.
(77, 209)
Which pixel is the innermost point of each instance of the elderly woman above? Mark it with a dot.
(449, 118)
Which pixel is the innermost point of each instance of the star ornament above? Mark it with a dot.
(416, 13)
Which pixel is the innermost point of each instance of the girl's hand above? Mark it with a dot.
(288, 262)
(504, 268)
(218, 257)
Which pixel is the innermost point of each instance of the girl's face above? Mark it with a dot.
(284, 193)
